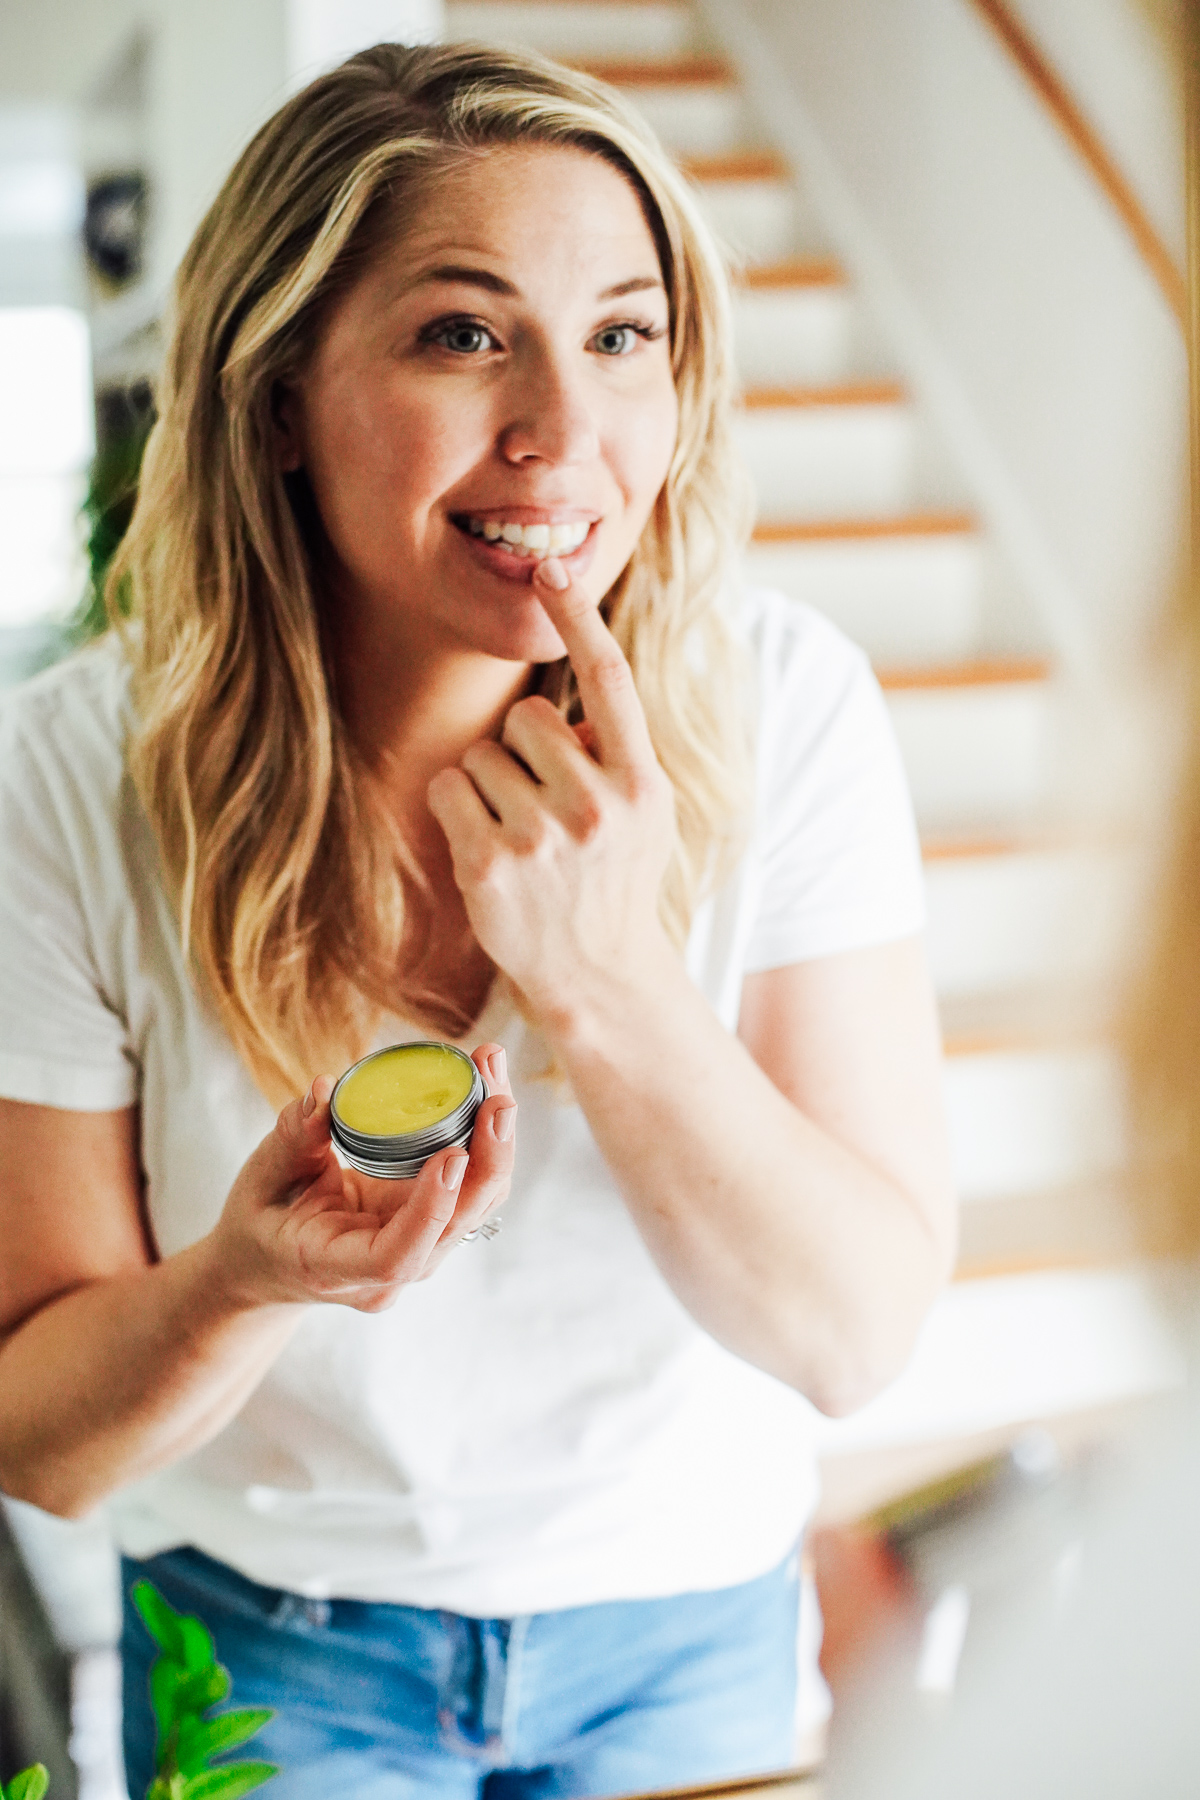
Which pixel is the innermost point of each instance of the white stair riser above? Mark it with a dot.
(1023, 1120)
(975, 754)
(820, 462)
(905, 600)
(755, 221)
(610, 30)
(1017, 919)
(694, 121)
(793, 336)
(999, 1352)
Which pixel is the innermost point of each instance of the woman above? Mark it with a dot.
(436, 725)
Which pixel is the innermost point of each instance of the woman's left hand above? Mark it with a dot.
(560, 837)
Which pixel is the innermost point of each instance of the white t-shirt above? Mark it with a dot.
(542, 1424)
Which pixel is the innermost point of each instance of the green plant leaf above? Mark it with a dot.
(199, 1651)
(207, 1687)
(30, 1784)
(161, 1620)
(167, 1679)
(201, 1738)
(167, 1787)
(182, 1637)
(198, 1646)
(228, 1783)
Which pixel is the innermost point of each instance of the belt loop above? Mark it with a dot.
(517, 1633)
(472, 1721)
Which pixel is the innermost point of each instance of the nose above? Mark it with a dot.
(551, 418)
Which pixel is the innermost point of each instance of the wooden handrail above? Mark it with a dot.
(1191, 79)
(1071, 121)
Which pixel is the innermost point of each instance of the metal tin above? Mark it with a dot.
(401, 1157)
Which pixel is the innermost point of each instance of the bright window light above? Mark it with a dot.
(46, 410)
(40, 199)
(43, 536)
(46, 442)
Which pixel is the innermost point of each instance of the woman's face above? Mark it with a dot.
(497, 386)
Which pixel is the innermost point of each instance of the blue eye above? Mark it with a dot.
(616, 340)
(463, 337)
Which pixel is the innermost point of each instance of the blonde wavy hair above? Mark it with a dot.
(302, 911)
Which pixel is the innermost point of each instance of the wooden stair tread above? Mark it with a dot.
(1048, 1262)
(1033, 1020)
(641, 72)
(737, 165)
(981, 671)
(842, 393)
(1015, 1042)
(1032, 837)
(792, 272)
(978, 846)
(1088, 1225)
(904, 525)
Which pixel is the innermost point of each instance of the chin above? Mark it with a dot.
(540, 643)
(511, 632)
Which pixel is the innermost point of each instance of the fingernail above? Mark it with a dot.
(308, 1103)
(498, 1067)
(453, 1171)
(552, 573)
(503, 1120)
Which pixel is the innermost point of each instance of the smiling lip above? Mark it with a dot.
(516, 562)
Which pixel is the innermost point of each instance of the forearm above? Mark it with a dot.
(121, 1377)
(788, 1247)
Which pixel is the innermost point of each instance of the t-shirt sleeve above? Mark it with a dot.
(63, 1041)
(840, 857)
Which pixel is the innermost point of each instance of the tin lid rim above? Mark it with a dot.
(429, 1137)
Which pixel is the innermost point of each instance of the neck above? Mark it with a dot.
(413, 707)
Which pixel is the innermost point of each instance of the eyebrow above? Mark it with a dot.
(496, 284)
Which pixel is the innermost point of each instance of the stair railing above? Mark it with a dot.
(1077, 128)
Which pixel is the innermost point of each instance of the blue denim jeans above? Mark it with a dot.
(380, 1701)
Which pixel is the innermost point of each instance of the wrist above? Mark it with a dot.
(601, 1007)
(224, 1286)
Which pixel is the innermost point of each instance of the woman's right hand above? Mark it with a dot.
(299, 1227)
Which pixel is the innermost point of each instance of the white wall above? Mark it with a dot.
(1022, 313)
(1120, 60)
(56, 49)
(216, 72)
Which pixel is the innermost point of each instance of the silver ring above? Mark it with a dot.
(489, 1229)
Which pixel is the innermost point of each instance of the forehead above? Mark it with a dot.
(527, 203)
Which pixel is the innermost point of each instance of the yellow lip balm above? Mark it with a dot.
(398, 1107)
(403, 1090)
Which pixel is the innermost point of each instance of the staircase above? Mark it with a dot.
(862, 514)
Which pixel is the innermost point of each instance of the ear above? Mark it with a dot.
(286, 418)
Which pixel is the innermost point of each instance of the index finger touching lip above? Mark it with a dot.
(610, 701)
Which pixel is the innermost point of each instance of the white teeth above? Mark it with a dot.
(538, 540)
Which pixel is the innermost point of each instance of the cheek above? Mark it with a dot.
(364, 471)
(645, 451)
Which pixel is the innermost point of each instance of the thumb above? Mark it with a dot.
(298, 1148)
